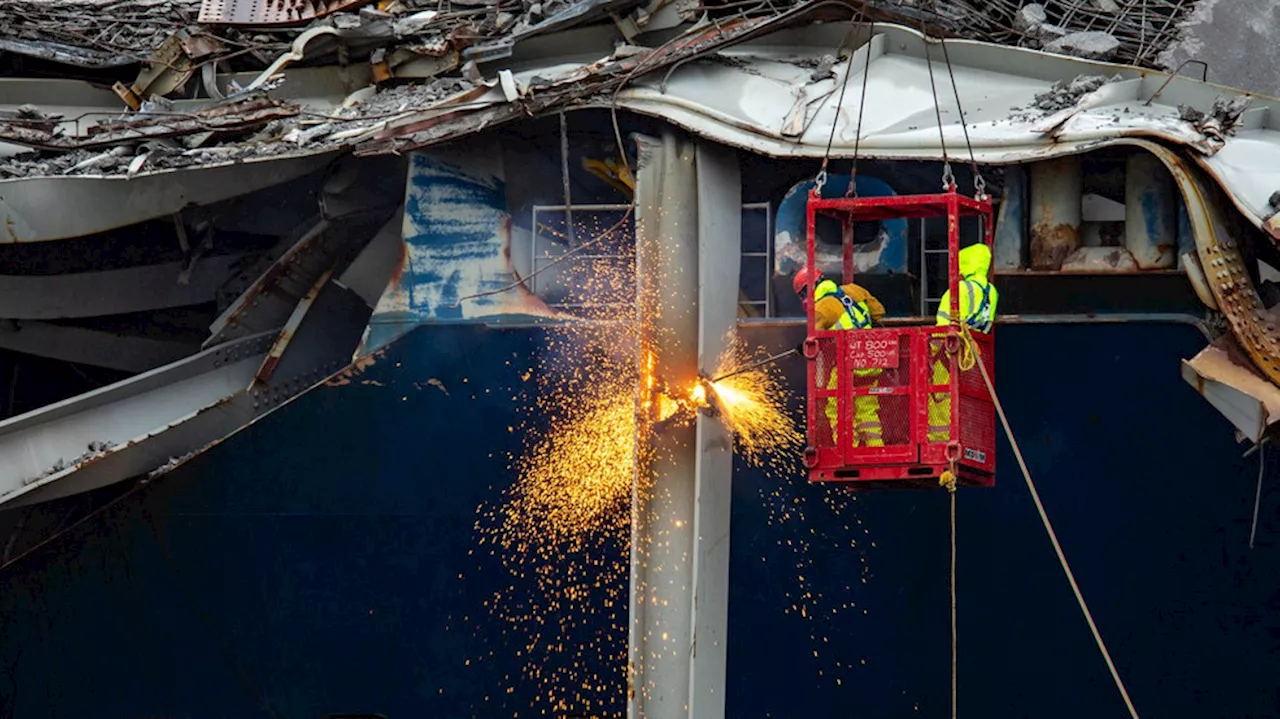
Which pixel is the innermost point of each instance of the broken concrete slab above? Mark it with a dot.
(1092, 45)
(1029, 17)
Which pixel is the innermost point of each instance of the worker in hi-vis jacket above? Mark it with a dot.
(846, 307)
(977, 305)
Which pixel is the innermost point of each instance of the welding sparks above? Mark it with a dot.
(575, 475)
(753, 405)
(563, 530)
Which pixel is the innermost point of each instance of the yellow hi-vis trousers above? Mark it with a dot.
(940, 402)
(867, 429)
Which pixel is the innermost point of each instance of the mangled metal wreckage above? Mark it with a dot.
(314, 214)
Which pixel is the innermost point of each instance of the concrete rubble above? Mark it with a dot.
(1092, 45)
(435, 47)
(1060, 96)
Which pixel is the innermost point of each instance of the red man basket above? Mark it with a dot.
(896, 407)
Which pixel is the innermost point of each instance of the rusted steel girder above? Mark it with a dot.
(257, 13)
(608, 76)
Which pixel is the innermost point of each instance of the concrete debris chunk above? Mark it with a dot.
(1029, 17)
(405, 97)
(1228, 110)
(1092, 45)
(1190, 114)
(1221, 120)
(1066, 94)
(823, 69)
(1032, 22)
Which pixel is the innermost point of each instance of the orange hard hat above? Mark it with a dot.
(804, 277)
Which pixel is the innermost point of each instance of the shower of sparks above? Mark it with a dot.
(562, 530)
(573, 476)
(814, 524)
(753, 405)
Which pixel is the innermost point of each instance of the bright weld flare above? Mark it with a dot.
(698, 394)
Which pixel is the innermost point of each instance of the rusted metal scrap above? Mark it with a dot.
(234, 116)
(170, 66)
(586, 81)
(594, 80)
(271, 12)
(1216, 125)
(30, 117)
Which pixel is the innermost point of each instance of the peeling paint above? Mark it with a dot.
(457, 244)
(355, 369)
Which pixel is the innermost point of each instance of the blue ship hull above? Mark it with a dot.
(322, 561)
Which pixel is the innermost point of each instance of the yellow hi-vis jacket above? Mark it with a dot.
(977, 297)
(977, 306)
(844, 307)
(850, 307)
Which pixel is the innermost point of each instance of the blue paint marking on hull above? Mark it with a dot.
(313, 562)
(790, 228)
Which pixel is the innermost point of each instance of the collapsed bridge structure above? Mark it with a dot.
(212, 210)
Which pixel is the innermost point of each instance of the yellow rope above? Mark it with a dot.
(1062, 558)
(954, 666)
(966, 359)
(948, 480)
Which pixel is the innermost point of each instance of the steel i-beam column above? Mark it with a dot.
(1055, 211)
(688, 208)
(1150, 212)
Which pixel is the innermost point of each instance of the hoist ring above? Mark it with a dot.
(952, 343)
(953, 451)
(810, 347)
(810, 457)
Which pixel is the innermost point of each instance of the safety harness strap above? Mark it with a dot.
(978, 318)
(860, 318)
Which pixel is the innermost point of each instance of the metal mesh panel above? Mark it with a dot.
(822, 398)
(977, 410)
(977, 428)
(937, 371)
(882, 418)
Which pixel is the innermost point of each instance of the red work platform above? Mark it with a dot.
(858, 379)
